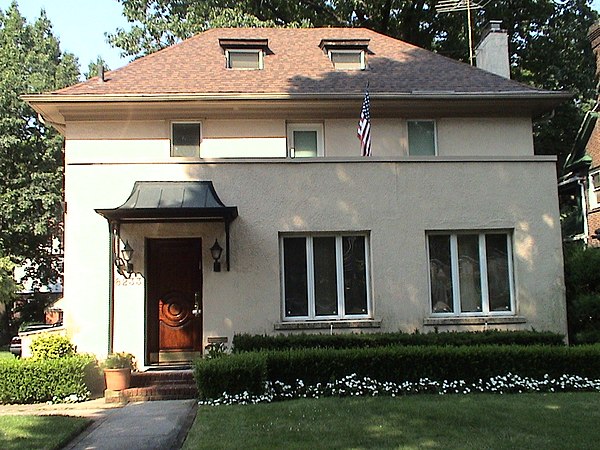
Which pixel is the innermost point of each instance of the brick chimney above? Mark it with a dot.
(492, 50)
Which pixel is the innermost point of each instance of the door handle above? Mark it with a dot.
(197, 311)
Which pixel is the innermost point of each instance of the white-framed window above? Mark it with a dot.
(422, 137)
(347, 59)
(244, 59)
(594, 189)
(325, 276)
(471, 273)
(305, 140)
(185, 139)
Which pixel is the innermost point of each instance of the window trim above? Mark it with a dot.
(341, 307)
(435, 137)
(305, 126)
(485, 307)
(185, 122)
(363, 62)
(593, 190)
(229, 51)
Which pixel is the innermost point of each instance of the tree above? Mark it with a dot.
(31, 159)
(93, 67)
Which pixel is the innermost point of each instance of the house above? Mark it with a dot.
(579, 187)
(216, 187)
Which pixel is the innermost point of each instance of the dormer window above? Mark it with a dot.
(244, 59)
(244, 54)
(347, 59)
(346, 54)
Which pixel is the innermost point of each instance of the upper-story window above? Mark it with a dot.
(346, 54)
(421, 138)
(305, 140)
(244, 54)
(185, 139)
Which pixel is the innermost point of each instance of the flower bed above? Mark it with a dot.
(352, 385)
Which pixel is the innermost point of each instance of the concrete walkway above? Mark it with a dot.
(135, 426)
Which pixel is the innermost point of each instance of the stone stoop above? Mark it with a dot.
(156, 385)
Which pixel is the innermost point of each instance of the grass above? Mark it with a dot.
(39, 432)
(478, 421)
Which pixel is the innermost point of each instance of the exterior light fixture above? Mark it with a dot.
(215, 252)
(123, 262)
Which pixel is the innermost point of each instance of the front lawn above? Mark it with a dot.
(475, 421)
(39, 432)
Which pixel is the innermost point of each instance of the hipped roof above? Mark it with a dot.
(295, 64)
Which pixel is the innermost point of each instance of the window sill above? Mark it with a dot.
(328, 325)
(488, 320)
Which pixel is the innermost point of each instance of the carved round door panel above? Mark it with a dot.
(173, 310)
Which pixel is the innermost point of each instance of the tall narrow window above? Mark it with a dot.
(471, 273)
(594, 189)
(305, 140)
(295, 278)
(421, 138)
(325, 277)
(185, 139)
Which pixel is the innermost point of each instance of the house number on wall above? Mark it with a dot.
(137, 281)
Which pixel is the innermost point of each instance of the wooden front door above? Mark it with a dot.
(174, 296)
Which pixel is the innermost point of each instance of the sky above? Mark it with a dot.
(80, 26)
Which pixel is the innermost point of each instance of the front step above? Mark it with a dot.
(156, 385)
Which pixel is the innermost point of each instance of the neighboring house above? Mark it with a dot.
(579, 187)
(248, 137)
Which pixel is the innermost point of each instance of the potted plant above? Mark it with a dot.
(117, 371)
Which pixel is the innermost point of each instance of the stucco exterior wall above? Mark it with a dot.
(149, 141)
(394, 202)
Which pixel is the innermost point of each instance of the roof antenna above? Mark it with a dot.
(449, 6)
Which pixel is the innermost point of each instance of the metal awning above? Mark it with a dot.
(173, 201)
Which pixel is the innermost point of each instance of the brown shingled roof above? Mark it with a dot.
(294, 64)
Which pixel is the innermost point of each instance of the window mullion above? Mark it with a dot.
(339, 270)
(485, 297)
(455, 273)
(310, 277)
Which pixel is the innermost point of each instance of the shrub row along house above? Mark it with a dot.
(217, 187)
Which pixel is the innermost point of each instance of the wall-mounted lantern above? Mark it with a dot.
(215, 252)
(123, 261)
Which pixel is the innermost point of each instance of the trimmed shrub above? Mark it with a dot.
(582, 281)
(248, 343)
(235, 374)
(248, 371)
(34, 381)
(51, 346)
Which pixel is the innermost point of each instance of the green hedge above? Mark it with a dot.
(31, 381)
(241, 372)
(249, 343)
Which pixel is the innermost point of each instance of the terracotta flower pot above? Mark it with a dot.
(117, 379)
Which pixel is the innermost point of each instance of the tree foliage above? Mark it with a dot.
(30, 152)
(547, 38)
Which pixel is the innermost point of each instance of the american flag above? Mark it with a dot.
(364, 126)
